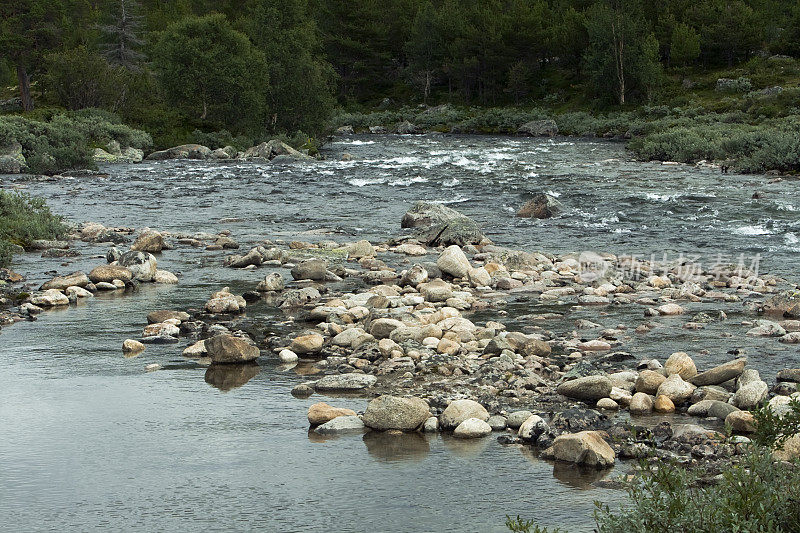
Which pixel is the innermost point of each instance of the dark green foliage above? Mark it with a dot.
(64, 141)
(212, 73)
(521, 525)
(24, 219)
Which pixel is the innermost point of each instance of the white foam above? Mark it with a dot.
(752, 230)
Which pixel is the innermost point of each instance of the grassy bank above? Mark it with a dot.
(24, 219)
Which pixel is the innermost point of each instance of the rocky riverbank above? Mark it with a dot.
(416, 324)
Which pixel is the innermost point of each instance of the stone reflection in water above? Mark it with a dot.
(227, 377)
(465, 448)
(394, 446)
(578, 477)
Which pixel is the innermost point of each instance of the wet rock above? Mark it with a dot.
(766, 328)
(459, 410)
(76, 279)
(345, 383)
(681, 364)
(313, 269)
(670, 310)
(589, 388)
(165, 277)
(130, 347)
(383, 327)
(341, 425)
(307, 344)
(411, 249)
(229, 349)
(720, 374)
(196, 350)
(184, 151)
(108, 273)
(155, 317)
(272, 282)
(251, 258)
(141, 264)
(287, 356)
(431, 425)
(148, 241)
(439, 225)
(302, 391)
(584, 448)
(393, 412)
(785, 304)
(472, 428)
(532, 428)
(223, 302)
(540, 206)
(321, 412)
(608, 404)
(49, 298)
(663, 405)
(273, 149)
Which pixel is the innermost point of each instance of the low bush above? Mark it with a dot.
(24, 219)
(62, 141)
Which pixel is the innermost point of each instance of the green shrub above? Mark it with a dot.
(221, 139)
(24, 219)
(64, 141)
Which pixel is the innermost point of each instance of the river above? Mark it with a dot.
(89, 441)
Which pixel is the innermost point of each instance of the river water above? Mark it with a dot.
(89, 441)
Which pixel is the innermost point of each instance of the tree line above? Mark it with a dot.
(260, 67)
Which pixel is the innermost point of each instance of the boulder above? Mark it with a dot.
(587, 388)
(130, 347)
(49, 298)
(341, 425)
(790, 451)
(12, 160)
(313, 269)
(540, 206)
(287, 356)
(345, 383)
(750, 395)
(680, 363)
(585, 448)
(76, 279)
(459, 410)
(663, 405)
(383, 327)
(108, 273)
(439, 225)
(307, 344)
(165, 277)
(517, 418)
(321, 412)
(196, 350)
(532, 428)
(641, 404)
(223, 302)
(539, 128)
(790, 375)
(785, 304)
(436, 291)
(361, 249)
(472, 428)
(229, 349)
(271, 149)
(741, 421)
(272, 282)
(184, 151)
(148, 241)
(720, 374)
(393, 412)
(453, 261)
(676, 389)
(141, 264)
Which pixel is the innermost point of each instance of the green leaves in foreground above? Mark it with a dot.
(24, 219)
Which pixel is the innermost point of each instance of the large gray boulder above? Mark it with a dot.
(720, 374)
(184, 151)
(540, 206)
(141, 264)
(439, 225)
(785, 304)
(588, 388)
(76, 279)
(584, 448)
(345, 382)
(12, 161)
(392, 412)
(539, 128)
(271, 149)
